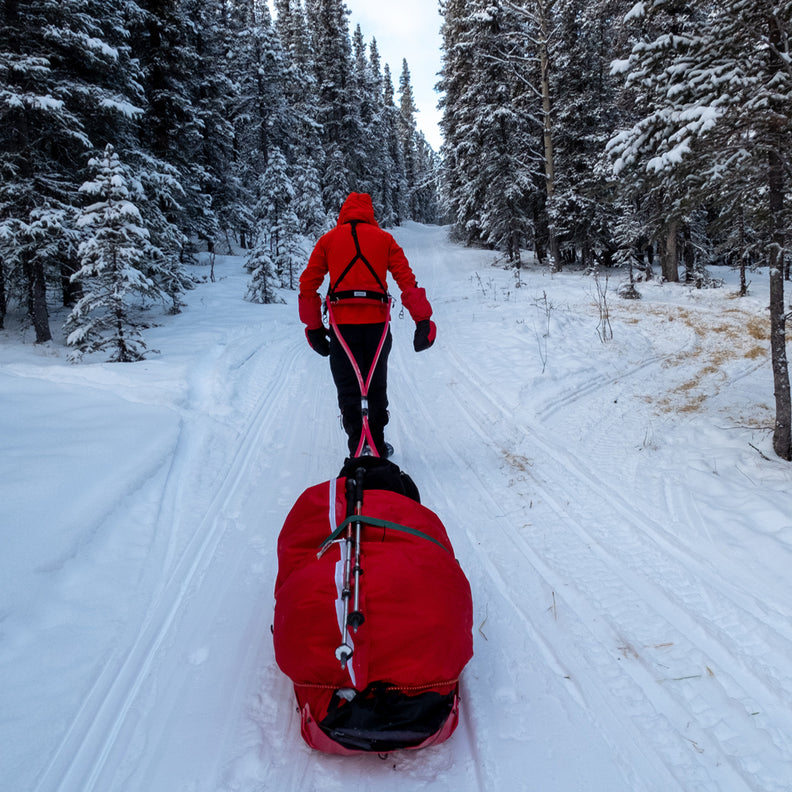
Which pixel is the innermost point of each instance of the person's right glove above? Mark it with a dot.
(425, 333)
(319, 339)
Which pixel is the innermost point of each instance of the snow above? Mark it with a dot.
(616, 506)
(637, 11)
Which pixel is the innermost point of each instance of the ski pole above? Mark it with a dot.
(356, 618)
(344, 650)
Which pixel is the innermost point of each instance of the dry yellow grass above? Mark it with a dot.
(718, 339)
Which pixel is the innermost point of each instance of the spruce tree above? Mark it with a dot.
(361, 116)
(171, 130)
(395, 189)
(490, 142)
(260, 113)
(586, 111)
(408, 133)
(304, 152)
(455, 74)
(113, 258)
(67, 84)
(263, 286)
(381, 163)
(715, 90)
(213, 97)
(278, 219)
(329, 32)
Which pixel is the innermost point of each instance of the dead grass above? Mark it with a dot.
(517, 461)
(719, 339)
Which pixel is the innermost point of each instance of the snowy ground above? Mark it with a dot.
(616, 506)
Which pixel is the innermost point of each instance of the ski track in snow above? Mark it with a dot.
(104, 737)
(629, 591)
(623, 641)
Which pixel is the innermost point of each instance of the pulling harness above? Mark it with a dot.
(366, 446)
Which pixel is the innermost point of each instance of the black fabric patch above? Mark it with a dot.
(381, 719)
(381, 474)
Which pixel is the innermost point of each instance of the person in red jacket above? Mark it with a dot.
(358, 255)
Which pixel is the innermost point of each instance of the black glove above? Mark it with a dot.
(319, 339)
(425, 332)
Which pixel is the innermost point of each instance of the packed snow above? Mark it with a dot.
(603, 467)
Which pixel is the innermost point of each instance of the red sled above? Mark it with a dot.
(373, 614)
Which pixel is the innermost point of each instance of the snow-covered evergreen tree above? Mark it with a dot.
(303, 151)
(381, 163)
(491, 146)
(361, 118)
(261, 115)
(586, 111)
(408, 134)
(173, 127)
(332, 49)
(113, 259)
(265, 280)
(715, 90)
(263, 287)
(67, 83)
(455, 74)
(278, 220)
(425, 193)
(395, 190)
(213, 97)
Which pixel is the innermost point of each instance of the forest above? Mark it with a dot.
(154, 128)
(648, 136)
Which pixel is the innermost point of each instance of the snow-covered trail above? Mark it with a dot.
(628, 556)
(661, 649)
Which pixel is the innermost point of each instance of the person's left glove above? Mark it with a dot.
(319, 339)
(425, 333)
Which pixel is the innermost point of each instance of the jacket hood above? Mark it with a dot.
(357, 206)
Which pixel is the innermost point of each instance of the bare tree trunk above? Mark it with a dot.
(648, 270)
(37, 300)
(743, 258)
(669, 261)
(547, 133)
(35, 281)
(3, 305)
(71, 290)
(782, 433)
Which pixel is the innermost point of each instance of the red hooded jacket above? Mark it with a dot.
(333, 253)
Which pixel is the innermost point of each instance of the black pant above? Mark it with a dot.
(362, 340)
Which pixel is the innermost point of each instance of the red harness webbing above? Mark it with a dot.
(365, 435)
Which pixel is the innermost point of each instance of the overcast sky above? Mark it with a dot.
(406, 29)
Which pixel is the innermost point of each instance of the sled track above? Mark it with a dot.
(682, 662)
(94, 738)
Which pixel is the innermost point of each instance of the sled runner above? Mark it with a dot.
(373, 614)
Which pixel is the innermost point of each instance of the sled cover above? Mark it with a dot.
(400, 687)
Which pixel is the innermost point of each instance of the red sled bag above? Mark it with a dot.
(373, 614)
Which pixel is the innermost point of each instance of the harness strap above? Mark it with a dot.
(357, 294)
(331, 293)
(378, 523)
(365, 435)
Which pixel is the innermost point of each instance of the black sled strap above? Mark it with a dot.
(334, 295)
